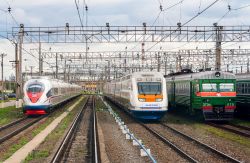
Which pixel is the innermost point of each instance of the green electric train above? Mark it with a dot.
(212, 92)
(243, 95)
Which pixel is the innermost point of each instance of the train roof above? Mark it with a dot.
(140, 74)
(54, 82)
(203, 75)
(242, 76)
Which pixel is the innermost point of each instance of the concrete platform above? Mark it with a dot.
(7, 104)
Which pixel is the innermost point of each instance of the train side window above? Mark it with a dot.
(55, 90)
(49, 93)
(238, 90)
(248, 88)
(243, 88)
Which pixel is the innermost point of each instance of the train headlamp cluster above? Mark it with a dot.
(217, 74)
(205, 100)
(158, 99)
(142, 99)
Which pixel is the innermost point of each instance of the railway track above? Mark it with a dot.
(80, 144)
(14, 128)
(237, 129)
(202, 150)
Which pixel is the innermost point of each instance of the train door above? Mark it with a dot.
(173, 95)
(192, 89)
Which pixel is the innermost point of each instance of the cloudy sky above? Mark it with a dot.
(116, 12)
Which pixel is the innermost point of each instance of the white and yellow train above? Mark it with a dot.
(143, 94)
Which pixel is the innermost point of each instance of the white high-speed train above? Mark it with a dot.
(143, 94)
(41, 94)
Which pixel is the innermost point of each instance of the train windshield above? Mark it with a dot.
(226, 87)
(209, 87)
(35, 88)
(149, 88)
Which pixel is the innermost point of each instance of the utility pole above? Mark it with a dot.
(158, 62)
(64, 74)
(166, 60)
(56, 66)
(178, 63)
(69, 74)
(40, 59)
(19, 80)
(247, 65)
(218, 46)
(2, 55)
(31, 70)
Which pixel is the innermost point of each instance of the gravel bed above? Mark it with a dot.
(160, 151)
(198, 152)
(118, 149)
(79, 150)
(224, 145)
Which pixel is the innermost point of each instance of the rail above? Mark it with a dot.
(203, 144)
(231, 128)
(63, 145)
(18, 130)
(96, 149)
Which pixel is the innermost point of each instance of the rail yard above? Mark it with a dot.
(124, 81)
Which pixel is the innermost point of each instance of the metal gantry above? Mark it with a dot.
(127, 34)
(104, 34)
(120, 63)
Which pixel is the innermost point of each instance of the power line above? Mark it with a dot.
(199, 13)
(242, 7)
(3, 10)
(173, 5)
(78, 12)
(14, 18)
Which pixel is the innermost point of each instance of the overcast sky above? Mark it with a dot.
(116, 12)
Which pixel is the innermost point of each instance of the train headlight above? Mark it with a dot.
(158, 99)
(142, 99)
(205, 100)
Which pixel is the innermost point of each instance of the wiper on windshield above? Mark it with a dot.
(142, 91)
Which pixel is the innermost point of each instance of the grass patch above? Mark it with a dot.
(241, 122)
(99, 105)
(37, 130)
(10, 114)
(37, 155)
(45, 149)
(15, 147)
(227, 135)
(200, 125)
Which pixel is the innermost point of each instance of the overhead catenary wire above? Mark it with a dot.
(162, 9)
(78, 13)
(199, 13)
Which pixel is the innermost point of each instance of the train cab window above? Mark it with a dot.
(149, 88)
(35, 88)
(209, 87)
(197, 89)
(226, 87)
